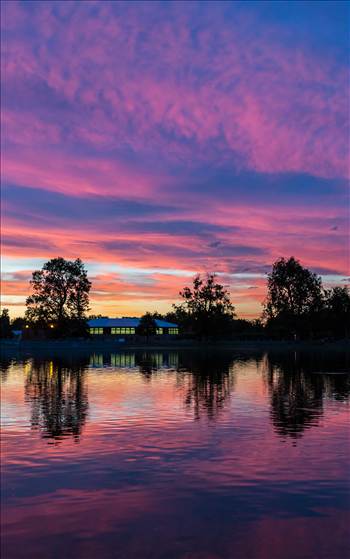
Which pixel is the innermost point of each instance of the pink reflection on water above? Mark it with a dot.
(173, 463)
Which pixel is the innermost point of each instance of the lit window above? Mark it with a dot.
(123, 330)
(173, 331)
(159, 331)
(96, 331)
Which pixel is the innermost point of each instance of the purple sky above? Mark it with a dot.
(157, 139)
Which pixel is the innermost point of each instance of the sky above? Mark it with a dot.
(157, 140)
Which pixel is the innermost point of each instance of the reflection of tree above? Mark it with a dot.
(57, 389)
(58, 395)
(5, 364)
(148, 363)
(209, 382)
(151, 361)
(205, 377)
(297, 389)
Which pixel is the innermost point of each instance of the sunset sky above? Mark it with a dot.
(155, 140)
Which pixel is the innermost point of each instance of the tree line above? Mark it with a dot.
(297, 306)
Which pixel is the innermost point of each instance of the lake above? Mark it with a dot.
(176, 455)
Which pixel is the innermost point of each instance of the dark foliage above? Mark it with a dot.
(297, 306)
(147, 326)
(206, 310)
(60, 297)
(336, 312)
(18, 323)
(5, 327)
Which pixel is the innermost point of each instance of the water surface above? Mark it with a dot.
(176, 455)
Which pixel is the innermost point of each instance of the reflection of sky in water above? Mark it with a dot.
(214, 456)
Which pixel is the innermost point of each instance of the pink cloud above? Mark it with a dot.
(118, 101)
(275, 109)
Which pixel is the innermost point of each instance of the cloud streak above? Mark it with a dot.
(200, 136)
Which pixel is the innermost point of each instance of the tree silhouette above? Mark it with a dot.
(206, 309)
(337, 311)
(18, 323)
(294, 297)
(60, 293)
(5, 328)
(147, 325)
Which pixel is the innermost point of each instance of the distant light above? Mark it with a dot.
(52, 326)
(27, 325)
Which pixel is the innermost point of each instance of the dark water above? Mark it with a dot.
(176, 455)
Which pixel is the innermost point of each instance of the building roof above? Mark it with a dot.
(165, 324)
(125, 323)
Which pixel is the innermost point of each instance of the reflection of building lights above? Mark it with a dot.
(27, 368)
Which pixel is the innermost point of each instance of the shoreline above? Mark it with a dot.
(180, 345)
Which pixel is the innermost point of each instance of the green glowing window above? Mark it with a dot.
(96, 331)
(159, 330)
(122, 330)
(173, 331)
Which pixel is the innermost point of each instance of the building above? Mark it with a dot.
(127, 327)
